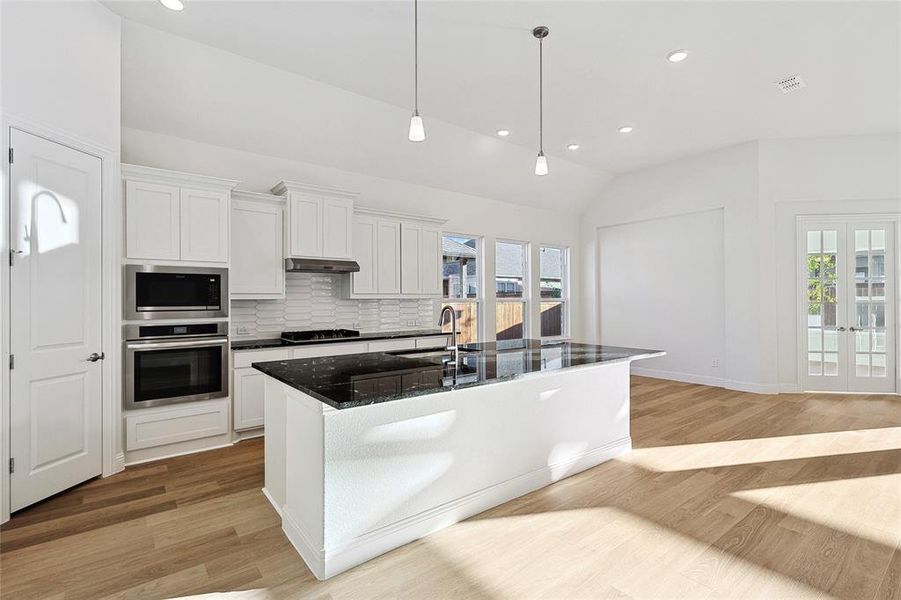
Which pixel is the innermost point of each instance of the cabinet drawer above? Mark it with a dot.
(152, 427)
(391, 345)
(435, 341)
(330, 350)
(245, 358)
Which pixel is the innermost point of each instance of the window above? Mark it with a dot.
(511, 283)
(460, 276)
(554, 285)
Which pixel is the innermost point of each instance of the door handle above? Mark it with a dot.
(857, 329)
(95, 357)
(841, 329)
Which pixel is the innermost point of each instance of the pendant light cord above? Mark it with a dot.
(540, 96)
(416, 56)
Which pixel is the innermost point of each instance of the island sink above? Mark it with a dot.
(367, 452)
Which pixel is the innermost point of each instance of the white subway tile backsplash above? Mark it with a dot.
(312, 301)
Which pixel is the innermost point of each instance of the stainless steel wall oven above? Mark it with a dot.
(171, 363)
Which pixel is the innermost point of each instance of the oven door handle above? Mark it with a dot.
(219, 341)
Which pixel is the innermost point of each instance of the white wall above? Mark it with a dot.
(725, 179)
(61, 67)
(762, 188)
(662, 286)
(466, 214)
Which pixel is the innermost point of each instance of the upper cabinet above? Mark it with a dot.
(174, 216)
(319, 221)
(257, 250)
(399, 255)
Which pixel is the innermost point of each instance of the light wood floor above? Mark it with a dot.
(726, 495)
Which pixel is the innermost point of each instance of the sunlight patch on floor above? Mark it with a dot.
(861, 506)
(762, 450)
(618, 557)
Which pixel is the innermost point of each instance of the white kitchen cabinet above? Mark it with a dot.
(174, 216)
(430, 261)
(337, 228)
(248, 394)
(399, 255)
(257, 250)
(305, 226)
(410, 258)
(152, 226)
(165, 425)
(365, 234)
(319, 220)
(388, 257)
(377, 244)
(204, 225)
(420, 260)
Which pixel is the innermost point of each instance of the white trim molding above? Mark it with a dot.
(177, 178)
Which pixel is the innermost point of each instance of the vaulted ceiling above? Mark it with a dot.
(605, 66)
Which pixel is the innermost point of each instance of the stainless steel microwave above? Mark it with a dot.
(159, 292)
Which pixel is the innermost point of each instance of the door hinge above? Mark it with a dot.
(12, 465)
(11, 155)
(12, 362)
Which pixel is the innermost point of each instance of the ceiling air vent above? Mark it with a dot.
(791, 84)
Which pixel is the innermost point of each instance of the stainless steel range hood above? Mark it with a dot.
(320, 265)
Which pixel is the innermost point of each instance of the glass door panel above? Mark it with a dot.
(847, 307)
(824, 350)
(871, 325)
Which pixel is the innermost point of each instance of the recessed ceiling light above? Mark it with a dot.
(573, 147)
(625, 129)
(173, 4)
(677, 56)
(503, 132)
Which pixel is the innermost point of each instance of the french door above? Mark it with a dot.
(848, 286)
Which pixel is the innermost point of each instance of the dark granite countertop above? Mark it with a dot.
(360, 379)
(260, 344)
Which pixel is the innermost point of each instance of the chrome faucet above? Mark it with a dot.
(453, 314)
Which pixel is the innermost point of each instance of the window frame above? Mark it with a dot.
(565, 292)
(526, 299)
(480, 280)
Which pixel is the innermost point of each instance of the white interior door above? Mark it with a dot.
(847, 306)
(55, 317)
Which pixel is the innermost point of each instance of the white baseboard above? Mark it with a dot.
(729, 384)
(329, 562)
(119, 463)
(271, 500)
(247, 434)
(143, 455)
(314, 558)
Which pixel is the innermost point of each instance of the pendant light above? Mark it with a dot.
(417, 131)
(540, 33)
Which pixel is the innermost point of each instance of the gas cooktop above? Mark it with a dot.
(298, 337)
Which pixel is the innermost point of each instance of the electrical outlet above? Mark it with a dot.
(716, 363)
(242, 330)
(411, 323)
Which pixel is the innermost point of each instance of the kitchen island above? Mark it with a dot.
(367, 452)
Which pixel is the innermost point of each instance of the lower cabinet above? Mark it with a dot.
(165, 425)
(248, 396)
